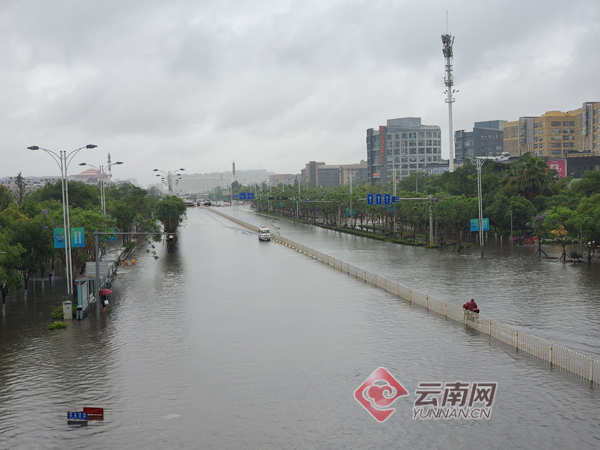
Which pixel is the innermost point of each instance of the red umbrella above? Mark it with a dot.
(105, 291)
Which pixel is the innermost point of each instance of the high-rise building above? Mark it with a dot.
(555, 133)
(310, 172)
(403, 145)
(329, 175)
(486, 139)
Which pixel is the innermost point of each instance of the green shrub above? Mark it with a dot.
(57, 326)
(57, 313)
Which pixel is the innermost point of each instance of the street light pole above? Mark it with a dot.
(479, 161)
(351, 210)
(102, 173)
(394, 184)
(511, 229)
(63, 159)
(169, 177)
(298, 201)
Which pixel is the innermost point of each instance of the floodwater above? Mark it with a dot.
(234, 343)
(545, 297)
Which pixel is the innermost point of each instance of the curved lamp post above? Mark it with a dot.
(169, 177)
(102, 170)
(63, 159)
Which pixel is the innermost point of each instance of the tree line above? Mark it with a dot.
(28, 220)
(527, 191)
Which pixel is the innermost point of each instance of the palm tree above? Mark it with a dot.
(532, 176)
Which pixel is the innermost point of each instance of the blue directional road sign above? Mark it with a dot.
(378, 199)
(243, 196)
(395, 199)
(369, 199)
(387, 198)
(250, 196)
(76, 415)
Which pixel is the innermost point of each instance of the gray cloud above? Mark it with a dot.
(273, 83)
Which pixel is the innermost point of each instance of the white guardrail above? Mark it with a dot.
(557, 355)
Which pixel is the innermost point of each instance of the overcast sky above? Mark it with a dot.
(272, 84)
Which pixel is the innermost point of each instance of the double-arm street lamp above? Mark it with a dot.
(395, 179)
(168, 177)
(102, 172)
(63, 159)
(479, 162)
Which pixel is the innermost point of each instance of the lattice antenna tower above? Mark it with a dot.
(448, 41)
(109, 167)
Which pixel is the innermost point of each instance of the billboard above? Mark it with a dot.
(77, 237)
(484, 222)
(560, 165)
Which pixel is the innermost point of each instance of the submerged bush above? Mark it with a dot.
(57, 313)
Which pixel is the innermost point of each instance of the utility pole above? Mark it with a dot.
(511, 229)
(351, 210)
(298, 201)
(430, 220)
(479, 162)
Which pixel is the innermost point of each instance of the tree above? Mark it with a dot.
(36, 238)
(589, 183)
(10, 278)
(81, 195)
(171, 212)
(531, 176)
(90, 221)
(6, 198)
(21, 189)
(588, 214)
(560, 235)
(499, 212)
(568, 198)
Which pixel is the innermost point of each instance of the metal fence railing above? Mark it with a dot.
(557, 355)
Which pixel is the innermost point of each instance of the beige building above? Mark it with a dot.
(355, 172)
(555, 134)
(321, 174)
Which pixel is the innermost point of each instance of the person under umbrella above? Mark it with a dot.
(103, 293)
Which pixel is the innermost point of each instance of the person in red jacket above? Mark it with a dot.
(471, 306)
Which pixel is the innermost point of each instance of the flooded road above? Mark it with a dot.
(556, 301)
(234, 343)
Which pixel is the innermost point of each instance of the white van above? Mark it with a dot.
(264, 234)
